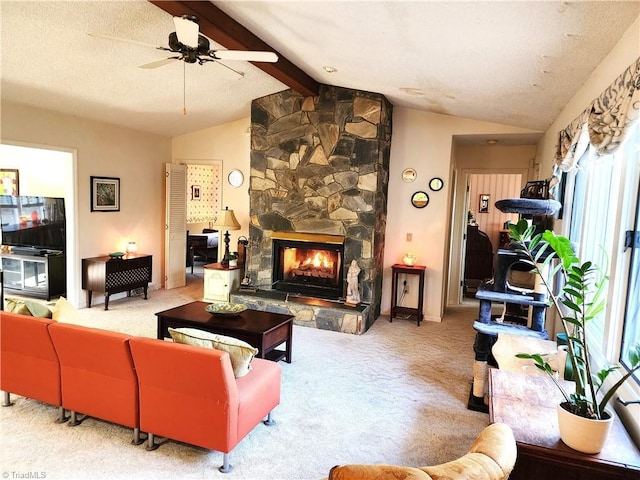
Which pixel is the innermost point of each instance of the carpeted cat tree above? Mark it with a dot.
(538, 211)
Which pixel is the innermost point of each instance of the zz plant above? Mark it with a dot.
(580, 299)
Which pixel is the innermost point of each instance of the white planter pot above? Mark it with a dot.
(583, 434)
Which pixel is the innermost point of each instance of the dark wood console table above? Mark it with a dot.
(417, 313)
(111, 275)
(527, 403)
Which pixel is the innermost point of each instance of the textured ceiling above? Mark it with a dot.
(516, 63)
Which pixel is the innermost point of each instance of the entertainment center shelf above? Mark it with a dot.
(35, 274)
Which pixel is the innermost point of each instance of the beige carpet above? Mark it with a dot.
(396, 394)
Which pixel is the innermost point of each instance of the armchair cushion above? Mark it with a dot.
(240, 353)
(491, 457)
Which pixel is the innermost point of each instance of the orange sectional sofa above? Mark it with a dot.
(222, 410)
(142, 383)
(97, 375)
(29, 364)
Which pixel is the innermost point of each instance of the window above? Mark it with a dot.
(631, 329)
(593, 215)
(605, 204)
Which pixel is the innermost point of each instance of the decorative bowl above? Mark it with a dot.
(117, 255)
(409, 259)
(225, 308)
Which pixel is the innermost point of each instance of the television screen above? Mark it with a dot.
(29, 221)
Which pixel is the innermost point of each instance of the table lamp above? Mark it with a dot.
(226, 221)
(132, 247)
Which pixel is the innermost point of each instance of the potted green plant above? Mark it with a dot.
(233, 259)
(580, 299)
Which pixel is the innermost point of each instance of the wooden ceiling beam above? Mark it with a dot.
(224, 30)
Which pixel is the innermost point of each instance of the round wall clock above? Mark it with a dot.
(409, 175)
(436, 184)
(235, 178)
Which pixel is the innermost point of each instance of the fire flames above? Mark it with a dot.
(319, 260)
(308, 263)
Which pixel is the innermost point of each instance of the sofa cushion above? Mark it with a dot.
(240, 353)
(63, 311)
(27, 307)
(15, 305)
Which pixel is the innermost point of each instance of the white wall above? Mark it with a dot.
(137, 158)
(45, 174)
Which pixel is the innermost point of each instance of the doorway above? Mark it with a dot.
(51, 172)
(485, 225)
(471, 186)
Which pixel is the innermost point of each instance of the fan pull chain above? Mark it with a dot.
(184, 88)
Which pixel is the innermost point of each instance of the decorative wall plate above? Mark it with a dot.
(436, 184)
(420, 199)
(409, 175)
(236, 178)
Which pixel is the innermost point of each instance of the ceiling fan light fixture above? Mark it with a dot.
(189, 46)
(187, 30)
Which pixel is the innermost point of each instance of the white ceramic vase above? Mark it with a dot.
(583, 434)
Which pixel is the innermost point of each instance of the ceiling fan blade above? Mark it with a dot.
(239, 74)
(187, 30)
(158, 63)
(118, 39)
(246, 55)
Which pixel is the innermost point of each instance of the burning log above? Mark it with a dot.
(311, 271)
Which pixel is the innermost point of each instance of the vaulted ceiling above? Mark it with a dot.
(515, 62)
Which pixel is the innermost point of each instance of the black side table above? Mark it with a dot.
(417, 313)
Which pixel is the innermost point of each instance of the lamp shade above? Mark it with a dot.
(226, 220)
(132, 247)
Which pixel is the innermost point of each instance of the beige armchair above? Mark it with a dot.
(491, 457)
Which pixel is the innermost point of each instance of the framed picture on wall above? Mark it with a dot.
(483, 206)
(195, 192)
(536, 189)
(9, 181)
(105, 194)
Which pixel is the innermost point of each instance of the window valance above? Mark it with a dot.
(604, 123)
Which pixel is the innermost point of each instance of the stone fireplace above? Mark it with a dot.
(320, 166)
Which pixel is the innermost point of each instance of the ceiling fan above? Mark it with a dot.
(191, 46)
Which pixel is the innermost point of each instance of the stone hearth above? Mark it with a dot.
(309, 312)
(321, 165)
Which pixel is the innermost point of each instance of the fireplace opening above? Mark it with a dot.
(313, 268)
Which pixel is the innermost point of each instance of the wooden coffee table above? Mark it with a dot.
(262, 330)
